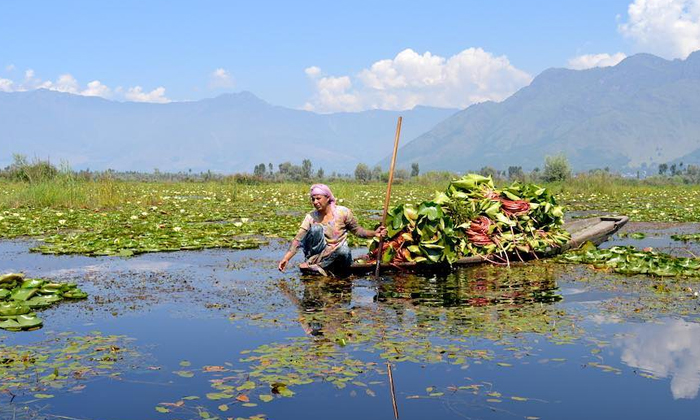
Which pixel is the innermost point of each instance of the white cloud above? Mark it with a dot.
(95, 88)
(31, 82)
(411, 79)
(10, 68)
(6, 85)
(136, 94)
(220, 79)
(670, 349)
(588, 61)
(669, 28)
(68, 84)
(312, 71)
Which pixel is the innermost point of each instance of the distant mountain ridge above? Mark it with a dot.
(640, 113)
(229, 133)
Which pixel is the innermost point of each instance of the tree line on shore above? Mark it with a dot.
(555, 169)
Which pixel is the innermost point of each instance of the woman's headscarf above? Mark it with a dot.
(322, 189)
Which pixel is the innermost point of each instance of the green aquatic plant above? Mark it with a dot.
(471, 218)
(65, 362)
(20, 296)
(630, 260)
(686, 237)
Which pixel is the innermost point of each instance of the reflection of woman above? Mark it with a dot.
(323, 234)
(323, 307)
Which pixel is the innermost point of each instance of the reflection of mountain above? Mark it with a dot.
(670, 349)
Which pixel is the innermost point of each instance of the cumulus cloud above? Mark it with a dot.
(588, 61)
(6, 85)
(671, 349)
(312, 71)
(669, 28)
(411, 79)
(136, 94)
(220, 79)
(95, 88)
(32, 82)
(68, 84)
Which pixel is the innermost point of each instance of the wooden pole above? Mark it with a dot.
(388, 195)
(393, 392)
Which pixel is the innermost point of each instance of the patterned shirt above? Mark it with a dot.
(335, 230)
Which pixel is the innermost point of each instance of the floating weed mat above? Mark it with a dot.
(20, 296)
(473, 218)
(666, 203)
(65, 362)
(167, 217)
(630, 260)
(687, 237)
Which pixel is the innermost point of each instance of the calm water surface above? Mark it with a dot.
(239, 339)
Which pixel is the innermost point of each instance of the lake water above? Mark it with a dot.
(223, 334)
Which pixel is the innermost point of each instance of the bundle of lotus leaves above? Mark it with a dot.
(19, 296)
(472, 218)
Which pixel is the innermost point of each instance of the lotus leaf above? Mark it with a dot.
(21, 322)
(13, 308)
(629, 260)
(32, 283)
(42, 301)
(21, 294)
(11, 277)
(31, 294)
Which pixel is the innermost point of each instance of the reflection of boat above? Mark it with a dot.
(595, 229)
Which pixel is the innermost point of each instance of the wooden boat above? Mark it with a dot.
(595, 229)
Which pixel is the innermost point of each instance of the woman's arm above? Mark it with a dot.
(354, 227)
(289, 254)
(305, 225)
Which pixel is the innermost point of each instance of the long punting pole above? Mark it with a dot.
(388, 195)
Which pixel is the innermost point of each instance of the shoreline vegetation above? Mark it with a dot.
(42, 184)
(67, 212)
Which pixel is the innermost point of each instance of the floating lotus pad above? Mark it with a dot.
(630, 260)
(18, 296)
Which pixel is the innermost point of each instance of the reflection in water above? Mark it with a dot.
(478, 286)
(669, 349)
(481, 301)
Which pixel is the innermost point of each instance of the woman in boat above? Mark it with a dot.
(323, 234)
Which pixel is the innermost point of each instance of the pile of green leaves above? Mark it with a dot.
(473, 218)
(629, 260)
(20, 296)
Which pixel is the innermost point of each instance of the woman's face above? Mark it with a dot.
(319, 201)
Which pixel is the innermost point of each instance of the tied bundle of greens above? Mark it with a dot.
(19, 296)
(473, 218)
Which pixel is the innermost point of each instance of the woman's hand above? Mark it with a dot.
(282, 264)
(380, 232)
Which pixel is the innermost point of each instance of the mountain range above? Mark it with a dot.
(227, 134)
(637, 114)
(640, 113)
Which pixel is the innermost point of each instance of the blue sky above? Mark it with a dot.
(320, 57)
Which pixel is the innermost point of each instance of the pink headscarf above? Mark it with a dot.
(322, 189)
